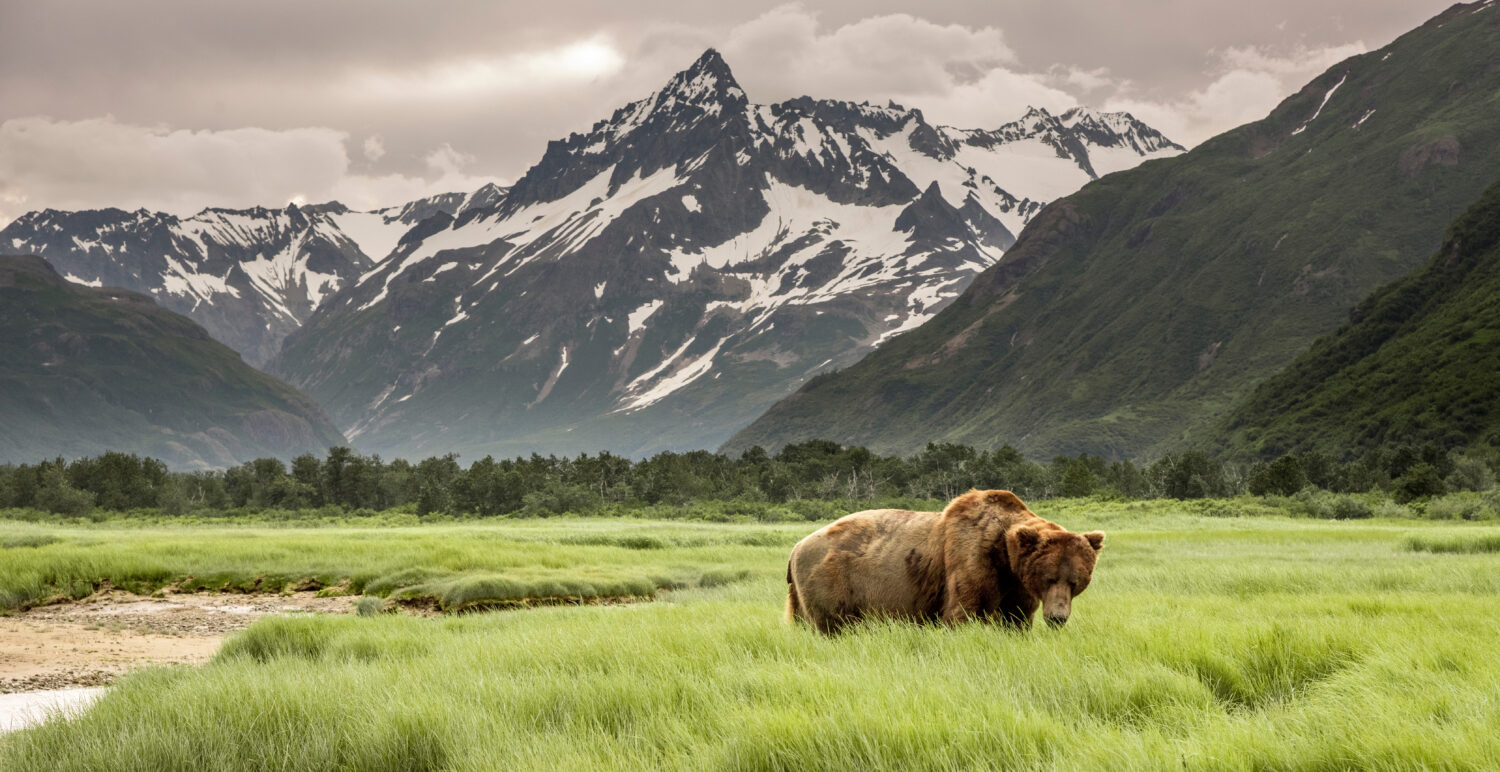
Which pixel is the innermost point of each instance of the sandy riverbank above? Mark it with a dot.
(55, 657)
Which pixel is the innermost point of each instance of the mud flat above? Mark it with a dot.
(69, 649)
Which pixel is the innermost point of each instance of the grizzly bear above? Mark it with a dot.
(986, 556)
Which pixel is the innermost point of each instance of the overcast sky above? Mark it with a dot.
(180, 105)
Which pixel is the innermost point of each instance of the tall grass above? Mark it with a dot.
(1204, 642)
(454, 566)
(1463, 544)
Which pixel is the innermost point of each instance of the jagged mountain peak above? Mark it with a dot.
(1037, 116)
(59, 220)
(708, 79)
(487, 190)
(327, 207)
(688, 114)
(488, 196)
(708, 85)
(1039, 121)
(1076, 115)
(925, 208)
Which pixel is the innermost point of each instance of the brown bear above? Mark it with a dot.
(985, 556)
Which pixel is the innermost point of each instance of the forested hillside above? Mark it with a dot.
(93, 369)
(1419, 362)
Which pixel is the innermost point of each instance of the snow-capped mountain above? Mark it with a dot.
(660, 280)
(249, 276)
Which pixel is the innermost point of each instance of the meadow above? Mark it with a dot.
(1216, 635)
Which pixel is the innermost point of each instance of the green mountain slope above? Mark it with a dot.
(86, 370)
(1131, 315)
(1418, 363)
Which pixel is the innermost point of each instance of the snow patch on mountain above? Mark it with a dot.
(636, 320)
(180, 280)
(1321, 105)
(683, 375)
(85, 282)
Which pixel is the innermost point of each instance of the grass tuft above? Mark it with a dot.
(1466, 545)
(28, 540)
(369, 606)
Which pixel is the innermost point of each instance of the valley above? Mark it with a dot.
(1213, 636)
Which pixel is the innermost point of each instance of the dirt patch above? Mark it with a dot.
(90, 642)
(1444, 151)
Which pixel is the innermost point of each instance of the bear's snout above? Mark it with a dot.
(1057, 604)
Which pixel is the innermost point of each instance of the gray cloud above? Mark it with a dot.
(179, 105)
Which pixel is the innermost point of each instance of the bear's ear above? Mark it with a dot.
(1027, 537)
(1096, 539)
(1006, 500)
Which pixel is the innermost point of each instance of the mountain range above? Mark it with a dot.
(658, 281)
(1131, 316)
(249, 276)
(655, 282)
(88, 370)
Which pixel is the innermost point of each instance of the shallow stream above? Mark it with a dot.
(23, 709)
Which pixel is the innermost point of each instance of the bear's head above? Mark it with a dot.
(1054, 566)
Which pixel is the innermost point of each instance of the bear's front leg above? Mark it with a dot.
(962, 601)
(1018, 609)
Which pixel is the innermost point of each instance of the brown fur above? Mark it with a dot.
(985, 556)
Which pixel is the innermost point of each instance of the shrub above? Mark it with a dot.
(1390, 509)
(1191, 475)
(1455, 507)
(1284, 476)
(558, 498)
(58, 497)
(1420, 481)
(1333, 506)
(1312, 503)
(1491, 501)
(1350, 508)
(1470, 474)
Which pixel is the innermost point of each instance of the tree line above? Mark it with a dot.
(814, 471)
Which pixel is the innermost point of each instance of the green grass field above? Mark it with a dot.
(452, 566)
(1204, 642)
